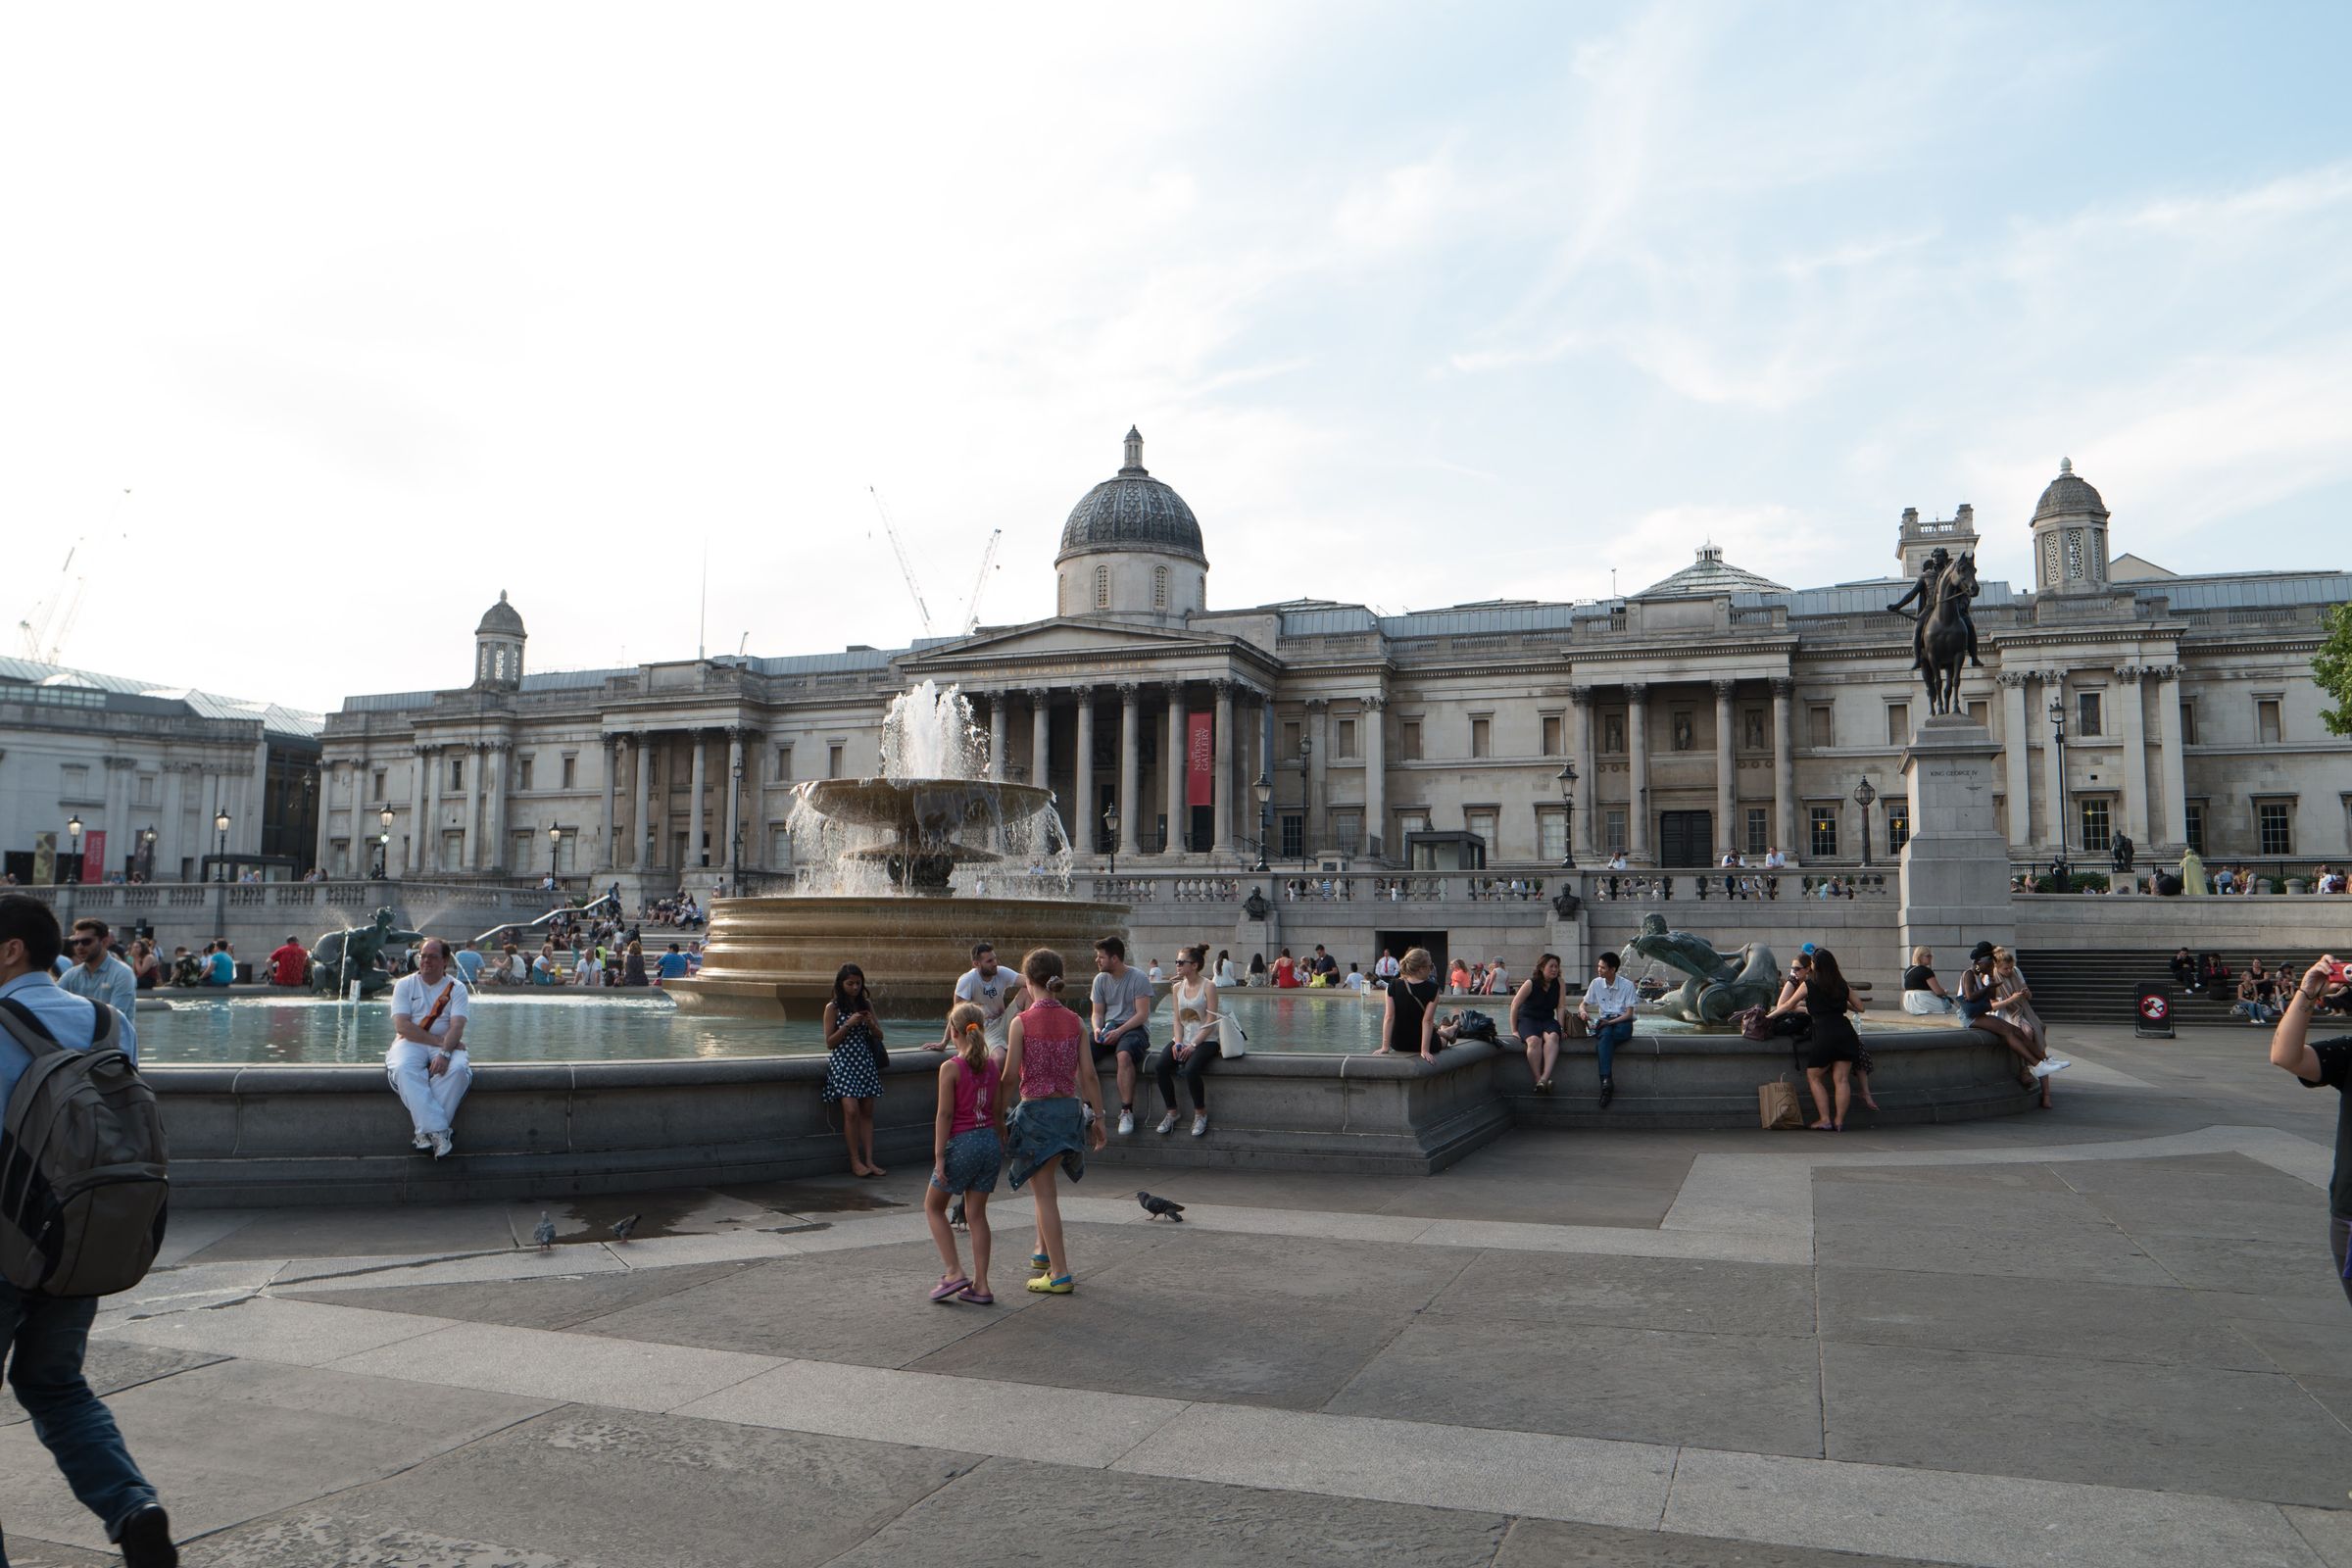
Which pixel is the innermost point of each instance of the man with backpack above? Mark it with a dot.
(43, 1335)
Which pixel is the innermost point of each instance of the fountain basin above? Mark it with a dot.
(776, 957)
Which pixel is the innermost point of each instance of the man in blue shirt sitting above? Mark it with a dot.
(43, 1337)
(220, 969)
(674, 965)
(469, 964)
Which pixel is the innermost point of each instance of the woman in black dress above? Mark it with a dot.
(1833, 1047)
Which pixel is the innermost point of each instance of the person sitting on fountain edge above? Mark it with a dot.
(1122, 1005)
(428, 1064)
(1609, 1009)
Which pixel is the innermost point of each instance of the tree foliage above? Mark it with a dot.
(2331, 667)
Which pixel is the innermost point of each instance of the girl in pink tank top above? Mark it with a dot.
(966, 1149)
(1059, 1114)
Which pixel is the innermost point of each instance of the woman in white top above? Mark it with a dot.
(1194, 1042)
(1225, 974)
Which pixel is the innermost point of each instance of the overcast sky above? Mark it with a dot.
(375, 312)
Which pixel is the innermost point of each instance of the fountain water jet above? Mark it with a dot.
(901, 874)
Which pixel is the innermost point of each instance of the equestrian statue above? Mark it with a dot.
(1944, 641)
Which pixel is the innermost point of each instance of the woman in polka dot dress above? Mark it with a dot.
(854, 1036)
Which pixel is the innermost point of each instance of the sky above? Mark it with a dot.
(322, 326)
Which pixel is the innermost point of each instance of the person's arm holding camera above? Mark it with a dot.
(2290, 1046)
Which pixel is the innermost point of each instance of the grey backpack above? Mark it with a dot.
(83, 1182)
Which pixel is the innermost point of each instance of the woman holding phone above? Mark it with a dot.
(852, 1073)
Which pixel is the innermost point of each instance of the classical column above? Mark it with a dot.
(1727, 774)
(1041, 736)
(2017, 758)
(2053, 690)
(1317, 777)
(996, 736)
(604, 853)
(470, 855)
(1223, 842)
(2171, 771)
(640, 784)
(1375, 771)
(1637, 774)
(429, 832)
(1784, 768)
(1085, 831)
(326, 823)
(699, 779)
(726, 847)
(1178, 773)
(494, 832)
(175, 818)
(2136, 751)
(1131, 739)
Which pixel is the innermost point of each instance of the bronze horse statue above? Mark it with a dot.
(1946, 637)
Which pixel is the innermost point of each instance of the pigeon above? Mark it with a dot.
(545, 1233)
(1156, 1206)
(623, 1225)
(955, 1215)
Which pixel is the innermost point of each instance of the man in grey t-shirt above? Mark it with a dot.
(991, 990)
(1122, 1008)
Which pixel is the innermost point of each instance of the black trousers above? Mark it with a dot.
(1167, 1067)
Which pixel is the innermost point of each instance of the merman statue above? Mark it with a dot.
(357, 952)
(1718, 987)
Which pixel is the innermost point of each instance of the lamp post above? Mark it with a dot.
(73, 838)
(1110, 825)
(1863, 795)
(1567, 778)
(2061, 873)
(146, 855)
(220, 852)
(555, 840)
(736, 858)
(384, 844)
(1263, 788)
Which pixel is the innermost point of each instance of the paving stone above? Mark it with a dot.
(548, 1304)
(626, 1374)
(1688, 1296)
(2059, 1317)
(1555, 1199)
(2016, 1178)
(1722, 1391)
(2294, 1218)
(2329, 1531)
(2189, 1178)
(1402, 1278)
(1551, 1544)
(395, 1231)
(584, 1487)
(1120, 1336)
(995, 1514)
(683, 1211)
(267, 1329)
(2109, 1423)
(1878, 1207)
(313, 1538)
(2102, 1255)
(2333, 1392)
(236, 1439)
(2301, 1268)
(2295, 1346)
(111, 1366)
(24, 1553)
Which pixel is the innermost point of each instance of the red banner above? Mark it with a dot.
(93, 856)
(1201, 760)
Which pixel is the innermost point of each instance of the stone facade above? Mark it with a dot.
(1716, 707)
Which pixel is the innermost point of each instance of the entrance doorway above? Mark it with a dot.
(1401, 943)
(1686, 838)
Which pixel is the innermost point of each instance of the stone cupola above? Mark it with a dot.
(1131, 549)
(2070, 535)
(498, 648)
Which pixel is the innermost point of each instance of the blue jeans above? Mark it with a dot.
(44, 1337)
(1607, 1038)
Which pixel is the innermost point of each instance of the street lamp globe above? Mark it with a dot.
(384, 819)
(74, 828)
(1567, 782)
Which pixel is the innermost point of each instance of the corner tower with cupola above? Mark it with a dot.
(498, 648)
(1131, 549)
(2070, 535)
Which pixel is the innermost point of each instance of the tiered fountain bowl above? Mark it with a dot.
(915, 871)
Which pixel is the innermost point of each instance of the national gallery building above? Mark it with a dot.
(1713, 710)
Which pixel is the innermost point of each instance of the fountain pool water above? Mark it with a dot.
(901, 874)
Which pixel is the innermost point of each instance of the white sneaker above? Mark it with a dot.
(2049, 1065)
(1200, 1124)
(1168, 1124)
(1126, 1122)
(421, 1142)
(442, 1144)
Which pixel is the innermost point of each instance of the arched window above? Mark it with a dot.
(1102, 587)
(1159, 587)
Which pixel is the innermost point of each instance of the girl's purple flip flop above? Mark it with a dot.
(947, 1288)
(976, 1298)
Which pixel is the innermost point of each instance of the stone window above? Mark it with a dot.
(833, 760)
(74, 781)
(1342, 738)
(523, 848)
(1898, 724)
(1612, 830)
(380, 786)
(2099, 833)
(1159, 587)
(1551, 735)
(2090, 709)
(1294, 835)
(1348, 830)
(1480, 737)
(1825, 832)
(1898, 825)
(1978, 714)
(572, 770)
(1409, 740)
(456, 773)
(1759, 830)
(522, 772)
(1821, 733)
(339, 856)
(2192, 819)
(2275, 827)
(2266, 721)
(2188, 721)
(1289, 738)
(1102, 587)
(2074, 553)
(779, 845)
(784, 763)
(453, 850)
(1684, 732)
(1552, 833)
(1482, 824)
(146, 789)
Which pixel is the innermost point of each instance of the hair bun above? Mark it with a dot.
(1054, 984)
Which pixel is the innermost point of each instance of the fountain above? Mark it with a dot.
(901, 874)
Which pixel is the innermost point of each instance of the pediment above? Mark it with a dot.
(1061, 638)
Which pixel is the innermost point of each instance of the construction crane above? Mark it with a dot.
(987, 561)
(905, 569)
(51, 623)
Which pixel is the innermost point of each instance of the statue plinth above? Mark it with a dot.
(1955, 864)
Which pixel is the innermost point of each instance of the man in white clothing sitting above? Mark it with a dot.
(427, 1063)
